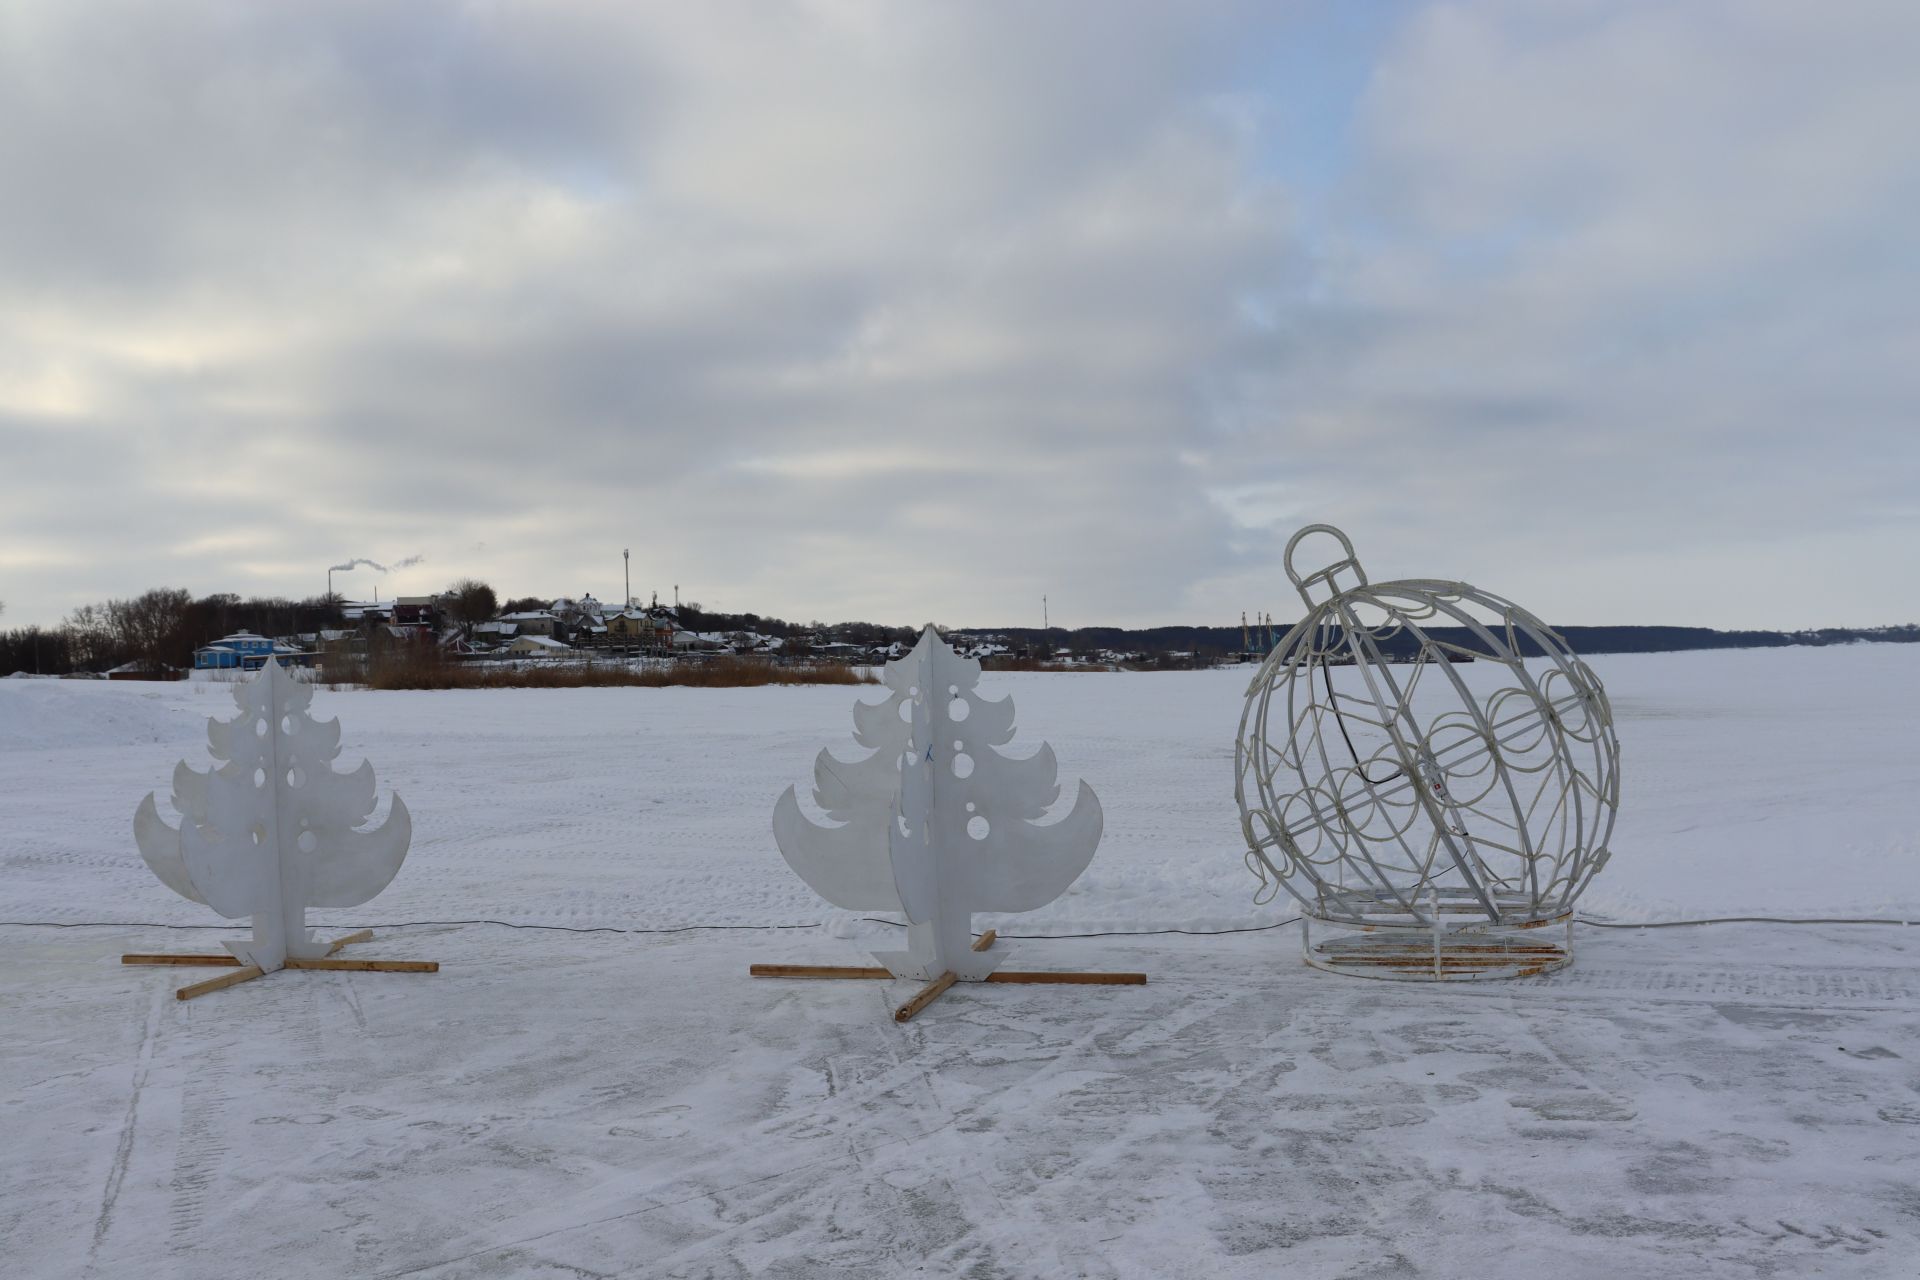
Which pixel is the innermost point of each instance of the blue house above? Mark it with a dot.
(245, 651)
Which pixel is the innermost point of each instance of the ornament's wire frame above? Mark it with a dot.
(1473, 903)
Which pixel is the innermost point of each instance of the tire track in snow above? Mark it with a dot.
(123, 1154)
(1864, 988)
(705, 1194)
(203, 1150)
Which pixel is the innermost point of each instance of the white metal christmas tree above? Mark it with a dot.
(271, 830)
(936, 823)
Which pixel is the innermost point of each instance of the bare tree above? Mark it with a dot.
(90, 640)
(469, 601)
(153, 627)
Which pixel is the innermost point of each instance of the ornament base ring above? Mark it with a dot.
(1393, 946)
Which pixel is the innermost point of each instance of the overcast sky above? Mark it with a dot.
(921, 311)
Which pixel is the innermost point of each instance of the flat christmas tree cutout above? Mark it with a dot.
(271, 830)
(936, 824)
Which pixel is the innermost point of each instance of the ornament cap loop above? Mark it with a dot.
(1349, 564)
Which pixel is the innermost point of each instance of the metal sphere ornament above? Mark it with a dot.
(1430, 771)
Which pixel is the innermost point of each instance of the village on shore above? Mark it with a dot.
(588, 629)
(169, 634)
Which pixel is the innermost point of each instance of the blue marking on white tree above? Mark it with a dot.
(936, 823)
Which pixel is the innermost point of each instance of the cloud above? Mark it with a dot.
(1612, 311)
(911, 312)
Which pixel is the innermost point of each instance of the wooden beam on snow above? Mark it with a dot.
(365, 935)
(215, 958)
(1072, 979)
(928, 994)
(814, 971)
(366, 966)
(244, 974)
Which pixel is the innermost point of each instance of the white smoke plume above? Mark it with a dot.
(408, 563)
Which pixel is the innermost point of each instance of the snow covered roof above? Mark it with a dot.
(531, 615)
(693, 640)
(539, 642)
(750, 639)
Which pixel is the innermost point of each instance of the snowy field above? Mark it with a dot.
(1731, 1100)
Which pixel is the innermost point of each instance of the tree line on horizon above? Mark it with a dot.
(158, 628)
(161, 628)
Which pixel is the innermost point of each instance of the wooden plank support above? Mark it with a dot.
(985, 940)
(928, 994)
(223, 960)
(244, 974)
(1072, 979)
(227, 960)
(366, 966)
(814, 971)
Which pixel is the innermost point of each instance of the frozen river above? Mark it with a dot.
(1728, 1100)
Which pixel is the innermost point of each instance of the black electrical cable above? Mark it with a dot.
(397, 924)
(1029, 937)
(688, 928)
(1130, 933)
(1673, 924)
(1333, 704)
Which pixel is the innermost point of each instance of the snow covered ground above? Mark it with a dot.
(1728, 1101)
